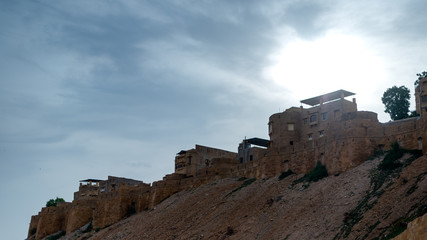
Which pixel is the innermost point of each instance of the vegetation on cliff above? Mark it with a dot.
(383, 177)
(315, 175)
(54, 202)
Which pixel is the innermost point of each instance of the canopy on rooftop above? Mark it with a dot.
(91, 180)
(327, 97)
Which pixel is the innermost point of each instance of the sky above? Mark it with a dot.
(91, 89)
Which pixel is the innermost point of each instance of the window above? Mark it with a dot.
(270, 128)
(189, 160)
(321, 133)
(424, 99)
(291, 143)
(313, 118)
(336, 113)
(251, 157)
(291, 126)
(324, 116)
(310, 136)
(305, 120)
(179, 165)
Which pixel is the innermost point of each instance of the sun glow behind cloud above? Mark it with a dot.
(311, 68)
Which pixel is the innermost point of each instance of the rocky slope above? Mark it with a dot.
(362, 203)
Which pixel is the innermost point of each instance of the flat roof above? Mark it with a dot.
(327, 97)
(182, 152)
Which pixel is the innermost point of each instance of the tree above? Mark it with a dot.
(420, 76)
(53, 203)
(414, 114)
(396, 101)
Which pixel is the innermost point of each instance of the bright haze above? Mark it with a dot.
(90, 89)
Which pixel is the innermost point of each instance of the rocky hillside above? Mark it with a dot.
(367, 202)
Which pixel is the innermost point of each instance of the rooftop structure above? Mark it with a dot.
(327, 97)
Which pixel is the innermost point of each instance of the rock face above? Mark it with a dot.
(417, 230)
(362, 203)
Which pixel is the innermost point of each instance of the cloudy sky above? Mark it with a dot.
(90, 89)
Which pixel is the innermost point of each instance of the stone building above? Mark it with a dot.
(101, 202)
(188, 162)
(332, 132)
(253, 148)
(421, 97)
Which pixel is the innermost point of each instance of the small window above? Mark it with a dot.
(321, 133)
(310, 136)
(251, 158)
(305, 120)
(313, 118)
(424, 99)
(291, 126)
(291, 143)
(270, 128)
(189, 160)
(324, 116)
(336, 113)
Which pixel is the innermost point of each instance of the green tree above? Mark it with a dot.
(420, 76)
(396, 101)
(54, 202)
(414, 114)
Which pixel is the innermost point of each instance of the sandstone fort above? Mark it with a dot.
(329, 131)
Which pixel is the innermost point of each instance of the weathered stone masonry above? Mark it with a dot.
(331, 131)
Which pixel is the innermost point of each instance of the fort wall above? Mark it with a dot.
(52, 220)
(80, 214)
(332, 133)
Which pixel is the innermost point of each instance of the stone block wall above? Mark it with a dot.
(80, 214)
(107, 209)
(33, 224)
(52, 220)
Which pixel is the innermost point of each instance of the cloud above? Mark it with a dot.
(98, 88)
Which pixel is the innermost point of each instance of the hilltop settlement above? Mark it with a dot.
(329, 131)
